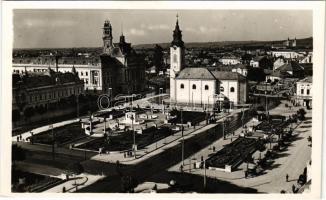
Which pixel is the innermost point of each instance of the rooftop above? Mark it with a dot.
(307, 79)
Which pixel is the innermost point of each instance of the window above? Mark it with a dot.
(222, 89)
(232, 89)
(175, 58)
(308, 91)
(302, 91)
(193, 86)
(86, 73)
(81, 73)
(206, 87)
(182, 86)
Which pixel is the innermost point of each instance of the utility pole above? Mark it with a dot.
(182, 150)
(134, 136)
(104, 125)
(77, 105)
(266, 101)
(223, 125)
(204, 173)
(53, 143)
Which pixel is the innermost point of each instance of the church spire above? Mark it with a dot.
(177, 35)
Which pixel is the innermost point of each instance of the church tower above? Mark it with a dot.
(107, 37)
(177, 52)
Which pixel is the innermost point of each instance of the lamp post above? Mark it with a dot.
(53, 142)
(77, 100)
(110, 95)
(134, 136)
(182, 144)
(204, 173)
(104, 125)
(266, 101)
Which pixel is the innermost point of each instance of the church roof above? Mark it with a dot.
(208, 74)
(177, 36)
(196, 73)
(227, 75)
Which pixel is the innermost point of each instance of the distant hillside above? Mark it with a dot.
(300, 42)
(95, 51)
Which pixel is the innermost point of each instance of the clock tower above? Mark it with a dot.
(107, 37)
(177, 52)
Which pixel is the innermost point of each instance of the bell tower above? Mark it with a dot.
(107, 37)
(177, 52)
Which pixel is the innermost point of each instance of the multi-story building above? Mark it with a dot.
(118, 68)
(230, 60)
(34, 90)
(303, 94)
(200, 85)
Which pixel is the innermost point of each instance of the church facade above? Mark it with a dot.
(200, 86)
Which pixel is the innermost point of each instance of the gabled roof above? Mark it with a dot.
(291, 66)
(196, 73)
(258, 58)
(280, 74)
(308, 79)
(226, 75)
(241, 66)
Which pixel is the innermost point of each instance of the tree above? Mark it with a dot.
(74, 169)
(158, 58)
(256, 74)
(15, 115)
(29, 112)
(301, 114)
(128, 184)
(17, 153)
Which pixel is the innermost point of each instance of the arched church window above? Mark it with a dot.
(182, 86)
(232, 89)
(175, 58)
(221, 89)
(193, 86)
(206, 87)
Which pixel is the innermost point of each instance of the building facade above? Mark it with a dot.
(40, 90)
(200, 85)
(303, 95)
(118, 68)
(230, 60)
(177, 60)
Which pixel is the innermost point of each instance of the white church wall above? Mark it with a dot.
(197, 96)
(227, 85)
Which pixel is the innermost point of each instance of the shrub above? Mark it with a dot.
(75, 168)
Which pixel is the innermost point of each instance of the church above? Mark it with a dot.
(200, 86)
(117, 68)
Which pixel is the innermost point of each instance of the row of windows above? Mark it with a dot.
(206, 87)
(193, 86)
(308, 91)
(54, 95)
(82, 74)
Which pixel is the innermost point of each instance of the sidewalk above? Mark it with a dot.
(159, 146)
(76, 183)
(42, 129)
(291, 161)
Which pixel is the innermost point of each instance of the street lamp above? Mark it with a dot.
(77, 100)
(182, 144)
(110, 95)
(134, 136)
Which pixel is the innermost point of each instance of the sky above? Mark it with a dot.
(83, 28)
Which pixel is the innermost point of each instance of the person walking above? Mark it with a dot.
(287, 178)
